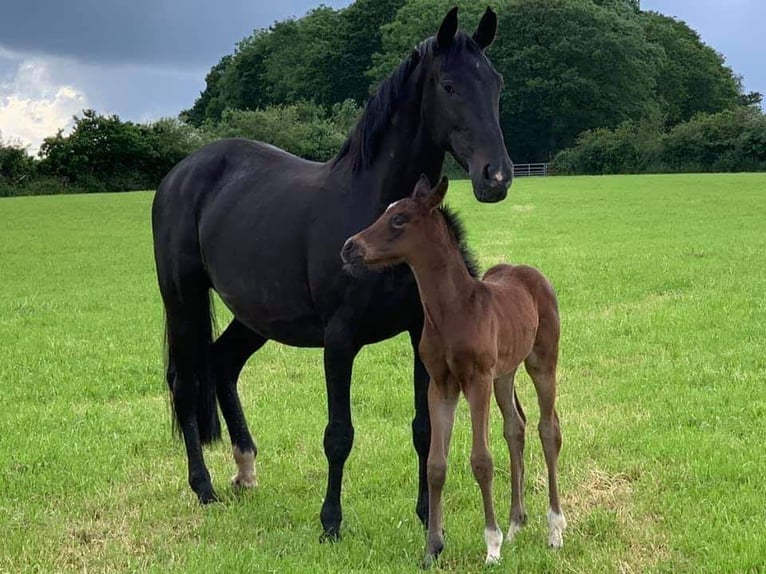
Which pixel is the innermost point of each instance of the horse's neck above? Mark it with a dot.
(443, 280)
(404, 152)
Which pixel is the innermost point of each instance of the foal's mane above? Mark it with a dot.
(362, 143)
(457, 233)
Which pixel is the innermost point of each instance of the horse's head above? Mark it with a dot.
(400, 231)
(461, 98)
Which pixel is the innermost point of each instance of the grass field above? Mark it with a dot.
(662, 287)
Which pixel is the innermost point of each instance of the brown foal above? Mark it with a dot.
(476, 334)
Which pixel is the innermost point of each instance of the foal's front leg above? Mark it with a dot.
(478, 392)
(442, 400)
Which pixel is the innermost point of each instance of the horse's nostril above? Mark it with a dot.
(487, 172)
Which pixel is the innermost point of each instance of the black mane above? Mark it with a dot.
(362, 143)
(457, 232)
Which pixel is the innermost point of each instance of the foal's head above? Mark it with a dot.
(405, 227)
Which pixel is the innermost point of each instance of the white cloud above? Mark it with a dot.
(33, 106)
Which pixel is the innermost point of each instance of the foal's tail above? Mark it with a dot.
(189, 348)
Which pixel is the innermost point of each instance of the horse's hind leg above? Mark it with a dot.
(541, 366)
(478, 392)
(231, 350)
(514, 426)
(421, 426)
(191, 376)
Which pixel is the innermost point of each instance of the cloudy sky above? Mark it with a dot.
(145, 59)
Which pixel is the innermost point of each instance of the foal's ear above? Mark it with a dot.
(448, 29)
(487, 29)
(438, 193)
(422, 188)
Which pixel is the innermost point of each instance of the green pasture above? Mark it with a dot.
(662, 398)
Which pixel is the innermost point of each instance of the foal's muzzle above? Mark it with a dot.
(352, 255)
(352, 251)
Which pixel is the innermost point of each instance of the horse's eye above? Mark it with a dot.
(398, 220)
(448, 88)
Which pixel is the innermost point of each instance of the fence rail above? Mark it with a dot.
(530, 169)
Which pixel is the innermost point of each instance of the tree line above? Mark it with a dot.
(599, 85)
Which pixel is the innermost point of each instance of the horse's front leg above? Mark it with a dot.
(339, 357)
(421, 427)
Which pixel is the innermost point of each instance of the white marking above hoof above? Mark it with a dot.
(513, 530)
(246, 476)
(494, 539)
(556, 525)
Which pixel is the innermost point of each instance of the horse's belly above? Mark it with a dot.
(288, 321)
(301, 332)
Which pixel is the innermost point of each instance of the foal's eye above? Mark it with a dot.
(449, 88)
(398, 220)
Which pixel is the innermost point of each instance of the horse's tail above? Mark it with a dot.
(189, 352)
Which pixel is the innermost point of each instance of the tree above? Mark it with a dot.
(691, 77)
(210, 103)
(415, 21)
(321, 57)
(103, 153)
(15, 163)
(570, 66)
(362, 38)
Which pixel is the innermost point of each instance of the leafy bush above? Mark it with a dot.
(732, 140)
(304, 129)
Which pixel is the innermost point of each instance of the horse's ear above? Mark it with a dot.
(448, 29)
(487, 29)
(422, 188)
(438, 193)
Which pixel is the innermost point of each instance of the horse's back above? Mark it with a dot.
(241, 210)
(521, 287)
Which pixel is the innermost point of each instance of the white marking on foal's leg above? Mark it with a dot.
(513, 529)
(494, 539)
(245, 477)
(556, 525)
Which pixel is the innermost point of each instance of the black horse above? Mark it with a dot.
(264, 229)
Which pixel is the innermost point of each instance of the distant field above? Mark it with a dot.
(662, 287)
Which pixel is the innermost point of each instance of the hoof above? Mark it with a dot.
(429, 561)
(432, 555)
(208, 497)
(330, 535)
(494, 540)
(556, 525)
(242, 482)
(513, 530)
(517, 523)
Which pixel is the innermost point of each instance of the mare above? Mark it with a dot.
(476, 333)
(263, 229)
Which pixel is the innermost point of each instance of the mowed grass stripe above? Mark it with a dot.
(662, 288)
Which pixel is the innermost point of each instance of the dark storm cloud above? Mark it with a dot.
(140, 32)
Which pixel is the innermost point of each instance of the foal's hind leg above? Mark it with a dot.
(478, 392)
(514, 426)
(232, 349)
(542, 369)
